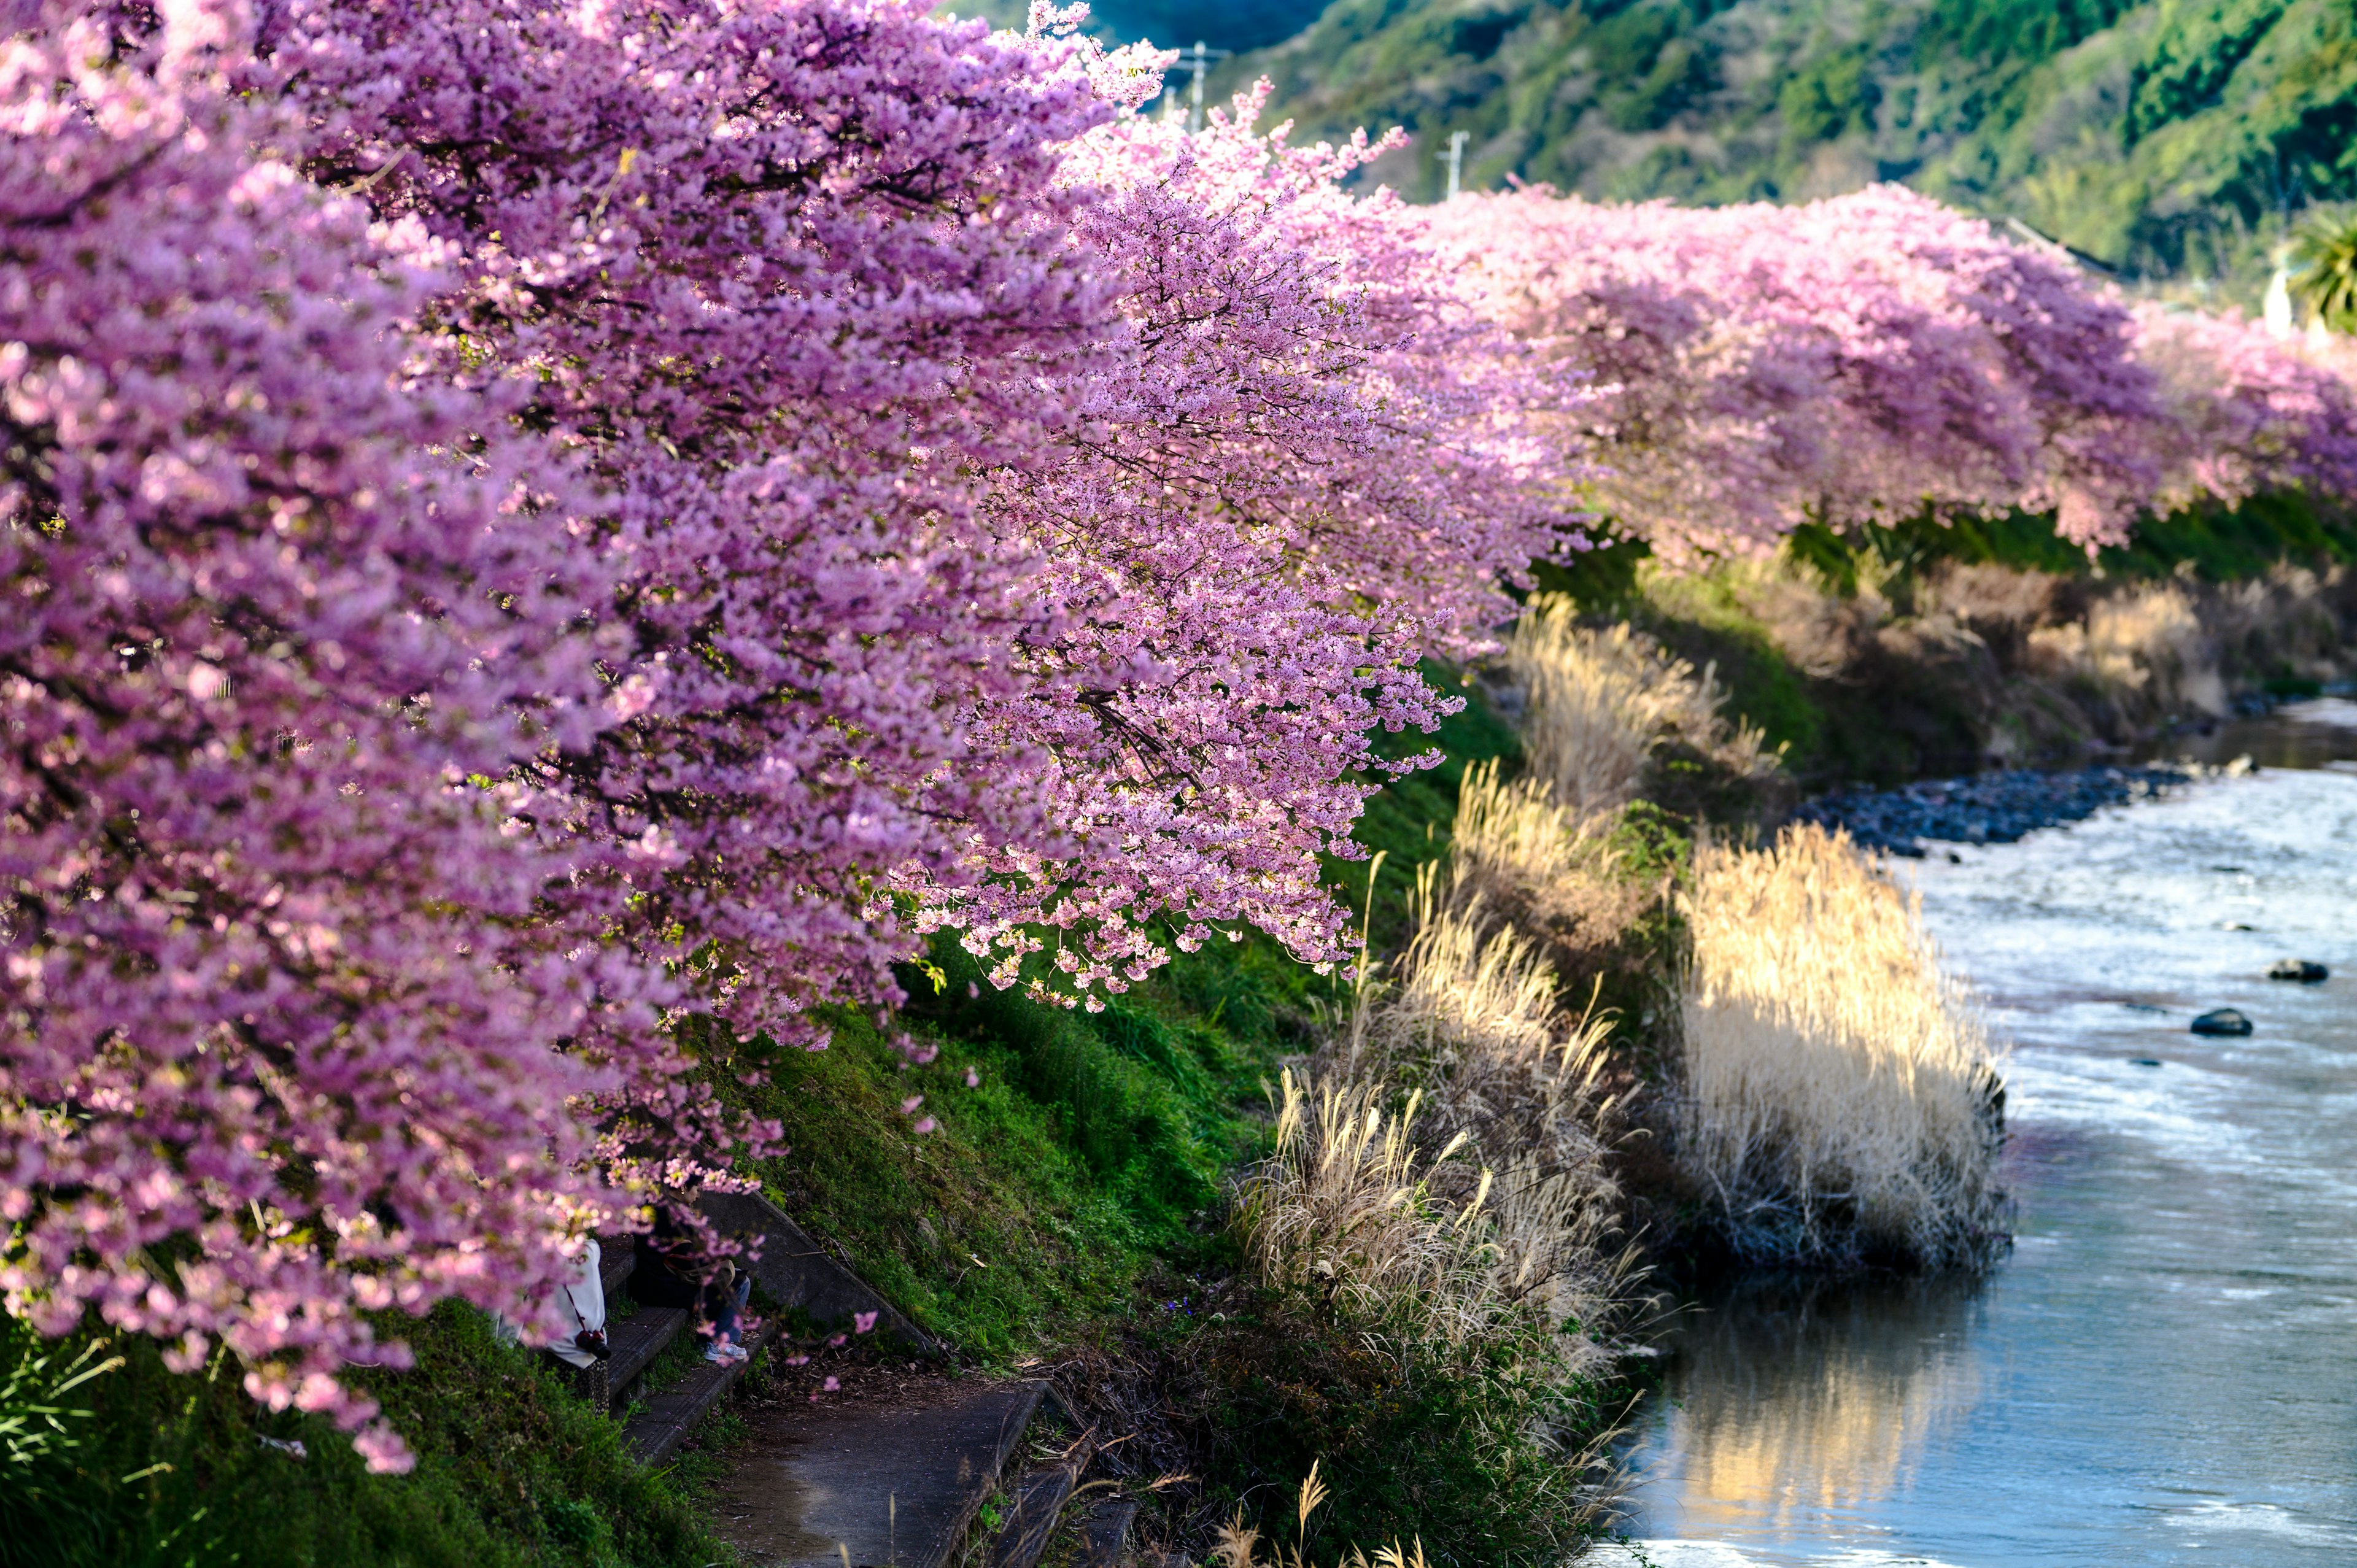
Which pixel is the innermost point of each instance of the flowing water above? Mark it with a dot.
(2164, 1369)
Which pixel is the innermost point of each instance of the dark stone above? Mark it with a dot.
(2307, 970)
(1039, 1496)
(2143, 1061)
(1986, 808)
(616, 1257)
(655, 1434)
(2223, 1021)
(636, 1341)
(1104, 1533)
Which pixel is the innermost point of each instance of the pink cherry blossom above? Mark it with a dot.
(287, 615)
(1846, 360)
(547, 540)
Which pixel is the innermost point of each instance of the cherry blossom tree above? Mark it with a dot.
(686, 505)
(1845, 360)
(794, 278)
(876, 365)
(530, 523)
(2251, 413)
(277, 1030)
(1307, 466)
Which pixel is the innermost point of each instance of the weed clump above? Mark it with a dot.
(1608, 712)
(1432, 1248)
(1405, 1335)
(1472, 1024)
(1563, 877)
(1840, 1103)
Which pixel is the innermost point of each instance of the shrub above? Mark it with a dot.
(1840, 1103)
(1602, 704)
(1398, 1331)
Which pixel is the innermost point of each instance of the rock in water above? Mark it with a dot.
(2307, 970)
(2223, 1021)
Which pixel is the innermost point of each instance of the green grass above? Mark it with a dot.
(172, 1471)
(2219, 543)
(1083, 1172)
(1091, 1155)
(1410, 1445)
(1087, 1153)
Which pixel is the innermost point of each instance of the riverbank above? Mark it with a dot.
(1989, 808)
(2183, 1204)
(1888, 656)
(1070, 1202)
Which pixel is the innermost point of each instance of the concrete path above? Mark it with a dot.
(888, 1477)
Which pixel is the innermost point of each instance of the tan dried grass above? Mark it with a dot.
(2145, 645)
(1237, 1545)
(1502, 1289)
(2182, 646)
(1471, 1021)
(1600, 702)
(1547, 867)
(1343, 1210)
(1837, 1095)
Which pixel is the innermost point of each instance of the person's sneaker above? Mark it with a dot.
(722, 1354)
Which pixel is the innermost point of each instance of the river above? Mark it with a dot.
(2164, 1369)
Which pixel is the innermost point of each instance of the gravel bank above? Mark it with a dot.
(1991, 808)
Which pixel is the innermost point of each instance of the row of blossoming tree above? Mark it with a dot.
(526, 523)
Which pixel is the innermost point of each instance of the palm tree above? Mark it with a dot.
(2324, 255)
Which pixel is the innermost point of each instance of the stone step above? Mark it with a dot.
(1104, 1533)
(891, 1482)
(616, 1256)
(636, 1341)
(655, 1434)
(1039, 1496)
(793, 1270)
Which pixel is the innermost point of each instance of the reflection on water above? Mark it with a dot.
(2165, 1371)
(1804, 1397)
(2312, 733)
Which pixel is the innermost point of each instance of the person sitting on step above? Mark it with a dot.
(672, 1273)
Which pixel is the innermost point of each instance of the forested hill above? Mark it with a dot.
(2169, 139)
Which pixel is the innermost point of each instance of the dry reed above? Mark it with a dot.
(1547, 867)
(1840, 1099)
(1600, 702)
(1238, 1546)
(1498, 1288)
(2037, 663)
(1342, 1210)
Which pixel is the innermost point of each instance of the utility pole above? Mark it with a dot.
(1195, 61)
(1456, 140)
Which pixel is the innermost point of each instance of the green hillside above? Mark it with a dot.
(2170, 139)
